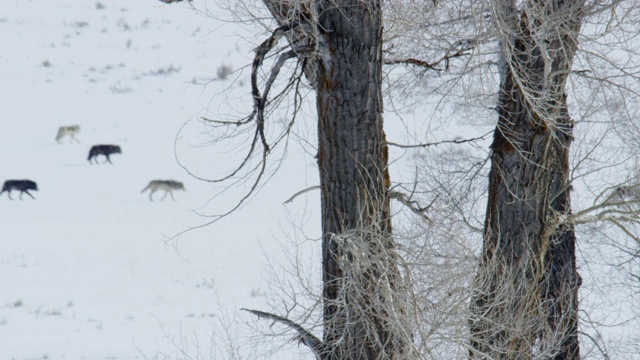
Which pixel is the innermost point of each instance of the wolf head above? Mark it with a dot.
(175, 184)
(31, 185)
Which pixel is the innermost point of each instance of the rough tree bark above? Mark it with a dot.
(525, 299)
(364, 303)
(362, 293)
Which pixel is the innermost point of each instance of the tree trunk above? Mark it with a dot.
(525, 299)
(362, 293)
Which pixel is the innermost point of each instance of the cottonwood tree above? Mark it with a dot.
(338, 45)
(524, 302)
(364, 300)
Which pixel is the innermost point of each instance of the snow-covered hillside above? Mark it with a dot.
(86, 270)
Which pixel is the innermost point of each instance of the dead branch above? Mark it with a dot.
(411, 61)
(412, 204)
(304, 336)
(456, 141)
(316, 187)
(260, 103)
(302, 12)
(396, 195)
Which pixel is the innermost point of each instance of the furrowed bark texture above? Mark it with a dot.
(525, 298)
(360, 274)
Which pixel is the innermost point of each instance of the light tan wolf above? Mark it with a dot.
(70, 131)
(167, 185)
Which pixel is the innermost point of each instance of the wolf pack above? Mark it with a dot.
(70, 131)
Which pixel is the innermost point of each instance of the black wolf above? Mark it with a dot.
(21, 185)
(105, 150)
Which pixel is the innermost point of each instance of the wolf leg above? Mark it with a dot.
(165, 195)
(171, 193)
(151, 193)
(109, 160)
(28, 193)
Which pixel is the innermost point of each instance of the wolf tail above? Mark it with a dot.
(145, 189)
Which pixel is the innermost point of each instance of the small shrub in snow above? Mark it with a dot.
(223, 71)
(120, 89)
(53, 313)
(122, 24)
(163, 71)
(99, 6)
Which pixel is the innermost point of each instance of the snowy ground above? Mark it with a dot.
(85, 270)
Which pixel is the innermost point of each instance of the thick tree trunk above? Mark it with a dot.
(525, 299)
(362, 292)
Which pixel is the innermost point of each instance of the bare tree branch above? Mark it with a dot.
(412, 204)
(456, 141)
(396, 195)
(316, 187)
(304, 336)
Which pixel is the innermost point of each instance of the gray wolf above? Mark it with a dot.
(167, 185)
(105, 150)
(70, 131)
(20, 185)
